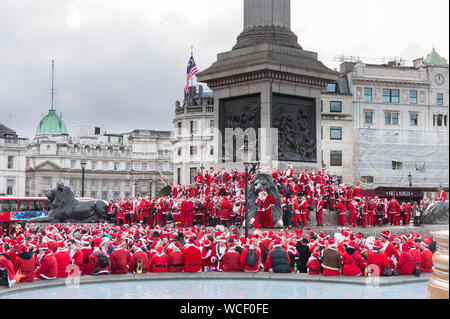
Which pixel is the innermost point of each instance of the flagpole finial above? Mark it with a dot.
(192, 50)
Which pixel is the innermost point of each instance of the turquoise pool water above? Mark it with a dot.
(226, 289)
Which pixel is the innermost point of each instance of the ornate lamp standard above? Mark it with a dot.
(410, 180)
(83, 165)
(246, 155)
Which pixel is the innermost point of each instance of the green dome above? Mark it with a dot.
(434, 59)
(51, 124)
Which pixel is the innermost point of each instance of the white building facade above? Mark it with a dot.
(12, 163)
(401, 124)
(193, 134)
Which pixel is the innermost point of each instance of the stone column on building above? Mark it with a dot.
(268, 68)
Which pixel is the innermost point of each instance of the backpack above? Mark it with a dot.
(250, 259)
(102, 260)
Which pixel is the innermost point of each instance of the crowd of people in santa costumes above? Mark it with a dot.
(56, 251)
(218, 198)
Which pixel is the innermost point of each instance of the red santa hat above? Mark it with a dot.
(206, 243)
(377, 244)
(277, 243)
(43, 246)
(321, 243)
(385, 234)
(331, 242)
(351, 244)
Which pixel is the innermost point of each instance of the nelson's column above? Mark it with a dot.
(268, 83)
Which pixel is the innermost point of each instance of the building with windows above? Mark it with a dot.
(115, 165)
(193, 134)
(337, 129)
(12, 162)
(400, 124)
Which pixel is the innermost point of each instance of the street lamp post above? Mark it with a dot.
(246, 154)
(410, 180)
(83, 165)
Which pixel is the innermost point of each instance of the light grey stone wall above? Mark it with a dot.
(267, 13)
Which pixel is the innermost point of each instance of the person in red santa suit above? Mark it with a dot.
(393, 209)
(405, 264)
(7, 267)
(120, 258)
(351, 260)
(365, 212)
(207, 254)
(251, 248)
(357, 193)
(296, 216)
(313, 264)
(26, 263)
(86, 251)
(48, 267)
(62, 257)
(388, 248)
(340, 206)
(218, 250)
(442, 196)
(408, 213)
(94, 264)
(175, 258)
(376, 259)
(268, 202)
(225, 208)
(189, 217)
(319, 211)
(139, 261)
(159, 260)
(259, 202)
(304, 211)
(426, 256)
(192, 257)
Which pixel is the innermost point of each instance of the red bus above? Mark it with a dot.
(16, 209)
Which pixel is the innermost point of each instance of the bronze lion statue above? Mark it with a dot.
(265, 182)
(436, 213)
(66, 208)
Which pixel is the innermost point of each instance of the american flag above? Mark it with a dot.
(191, 70)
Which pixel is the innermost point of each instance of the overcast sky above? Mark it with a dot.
(122, 63)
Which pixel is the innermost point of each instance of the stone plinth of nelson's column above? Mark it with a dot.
(269, 85)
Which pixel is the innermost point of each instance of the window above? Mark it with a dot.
(116, 195)
(193, 150)
(23, 205)
(367, 179)
(391, 96)
(127, 183)
(391, 118)
(331, 88)
(116, 183)
(93, 194)
(36, 205)
(368, 94)
(94, 165)
(413, 119)
(211, 150)
(105, 166)
(10, 205)
(93, 182)
(72, 164)
(397, 165)
(321, 106)
(439, 120)
(211, 127)
(440, 99)
(193, 127)
(179, 151)
(321, 132)
(180, 126)
(335, 106)
(10, 162)
(171, 167)
(71, 182)
(144, 166)
(368, 117)
(47, 181)
(97, 131)
(128, 166)
(116, 166)
(339, 179)
(104, 196)
(336, 158)
(412, 97)
(160, 167)
(143, 185)
(178, 175)
(335, 133)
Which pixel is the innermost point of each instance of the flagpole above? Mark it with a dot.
(192, 54)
